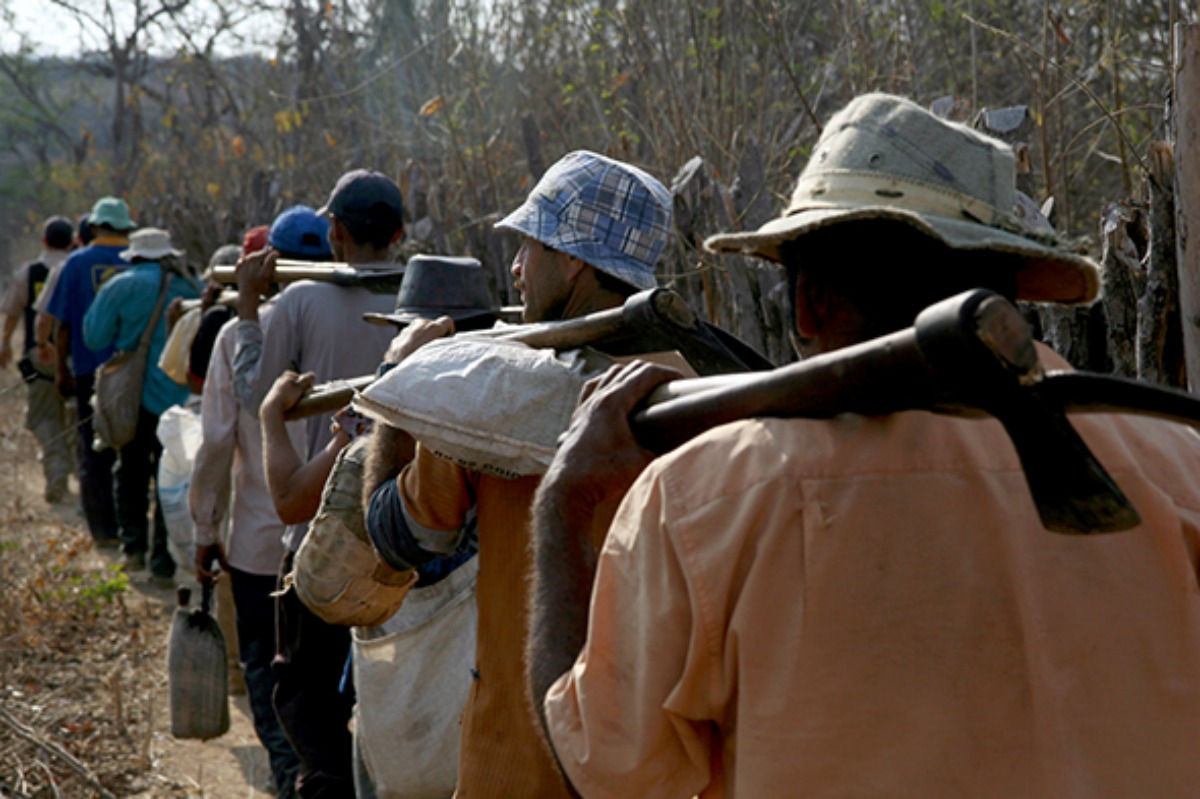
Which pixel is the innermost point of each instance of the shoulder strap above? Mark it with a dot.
(162, 297)
(37, 273)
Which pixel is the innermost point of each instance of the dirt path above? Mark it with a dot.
(83, 685)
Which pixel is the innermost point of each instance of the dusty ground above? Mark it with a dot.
(83, 684)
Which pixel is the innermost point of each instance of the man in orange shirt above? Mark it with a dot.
(869, 606)
(592, 231)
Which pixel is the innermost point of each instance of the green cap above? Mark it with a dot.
(111, 211)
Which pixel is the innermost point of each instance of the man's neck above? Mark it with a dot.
(591, 302)
(587, 296)
(356, 254)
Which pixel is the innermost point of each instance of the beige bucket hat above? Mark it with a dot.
(151, 243)
(884, 157)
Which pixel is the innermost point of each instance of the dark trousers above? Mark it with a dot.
(95, 469)
(314, 712)
(136, 475)
(255, 609)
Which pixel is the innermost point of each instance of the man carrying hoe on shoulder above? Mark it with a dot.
(870, 606)
(592, 231)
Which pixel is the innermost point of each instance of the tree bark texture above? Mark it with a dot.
(1160, 336)
(1187, 202)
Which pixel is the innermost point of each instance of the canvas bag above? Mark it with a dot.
(336, 573)
(177, 350)
(489, 405)
(412, 675)
(117, 397)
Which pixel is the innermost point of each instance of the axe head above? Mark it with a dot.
(982, 354)
(660, 319)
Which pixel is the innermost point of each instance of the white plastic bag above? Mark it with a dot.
(179, 432)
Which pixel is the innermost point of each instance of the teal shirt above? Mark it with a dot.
(118, 317)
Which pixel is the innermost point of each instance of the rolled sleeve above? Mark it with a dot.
(212, 473)
(402, 542)
(247, 363)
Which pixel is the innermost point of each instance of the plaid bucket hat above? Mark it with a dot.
(884, 157)
(606, 213)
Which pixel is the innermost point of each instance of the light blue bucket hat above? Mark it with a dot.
(606, 213)
(111, 211)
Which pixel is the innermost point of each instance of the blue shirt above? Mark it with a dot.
(83, 273)
(118, 317)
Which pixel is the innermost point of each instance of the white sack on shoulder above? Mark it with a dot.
(494, 406)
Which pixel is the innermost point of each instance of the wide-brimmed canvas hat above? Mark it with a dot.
(606, 213)
(884, 157)
(440, 285)
(150, 243)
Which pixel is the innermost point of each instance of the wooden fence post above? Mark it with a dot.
(1160, 344)
(1122, 227)
(1186, 97)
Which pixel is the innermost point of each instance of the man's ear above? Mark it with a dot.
(811, 304)
(572, 267)
(399, 234)
(336, 231)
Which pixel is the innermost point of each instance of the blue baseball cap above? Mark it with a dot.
(369, 198)
(604, 212)
(300, 233)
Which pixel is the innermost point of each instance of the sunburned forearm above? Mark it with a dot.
(280, 463)
(564, 568)
(43, 328)
(299, 496)
(10, 325)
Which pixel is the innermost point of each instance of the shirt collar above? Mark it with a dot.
(53, 258)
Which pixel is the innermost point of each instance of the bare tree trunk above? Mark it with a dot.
(1187, 202)
(1160, 340)
(1121, 230)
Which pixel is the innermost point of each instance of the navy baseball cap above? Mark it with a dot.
(85, 228)
(369, 198)
(58, 232)
(300, 233)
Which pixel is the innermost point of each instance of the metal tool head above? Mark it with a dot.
(982, 353)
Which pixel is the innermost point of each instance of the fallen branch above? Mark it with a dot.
(80, 770)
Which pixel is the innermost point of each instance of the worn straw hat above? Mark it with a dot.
(606, 213)
(439, 285)
(151, 243)
(884, 157)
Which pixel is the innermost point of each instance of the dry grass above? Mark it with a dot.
(80, 651)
